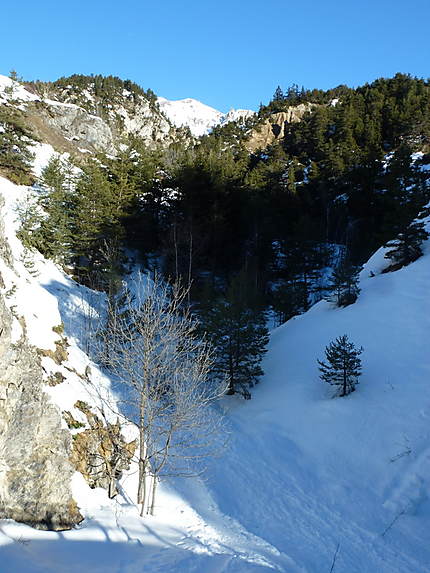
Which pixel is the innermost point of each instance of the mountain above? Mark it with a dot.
(265, 233)
(84, 114)
(198, 117)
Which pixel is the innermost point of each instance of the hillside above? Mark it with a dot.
(106, 403)
(94, 114)
(302, 472)
(353, 471)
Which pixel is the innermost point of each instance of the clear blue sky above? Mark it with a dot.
(228, 53)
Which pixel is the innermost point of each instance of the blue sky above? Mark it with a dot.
(225, 53)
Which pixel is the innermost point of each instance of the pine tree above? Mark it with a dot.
(97, 227)
(343, 287)
(55, 234)
(15, 154)
(286, 301)
(406, 247)
(278, 96)
(238, 332)
(344, 365)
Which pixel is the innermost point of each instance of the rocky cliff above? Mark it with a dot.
(35, 467)
(274, 127)
(47, 431)
(77, 119)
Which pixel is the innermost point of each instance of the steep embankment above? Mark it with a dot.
(309, 473)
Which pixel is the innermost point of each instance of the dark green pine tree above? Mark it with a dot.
(97, 225)
(278, 96)
(286, 300)
(343, 286)
(343, 366)
(15, 154)
(406, 247)
(238, 332)
(55, 231)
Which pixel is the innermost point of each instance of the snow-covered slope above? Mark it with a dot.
(189, 533)
(313, 473)
(10, 89)
(200, 118)
(303, 476)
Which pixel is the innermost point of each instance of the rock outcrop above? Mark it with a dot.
(74, 124)
(274, 127)
(41, 446)
(35, 467)
(100, 452)
(69, 127)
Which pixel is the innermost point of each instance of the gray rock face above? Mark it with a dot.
(35, 470)
(78, 126)
(67, 126)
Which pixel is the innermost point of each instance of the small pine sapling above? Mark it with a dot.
(343, 366)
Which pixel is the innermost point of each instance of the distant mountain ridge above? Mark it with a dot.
(94, 113)
(197, 116)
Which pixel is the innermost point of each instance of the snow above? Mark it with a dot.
(10, 89)
(237, 114)
(302, 474)
(43, 153)
(113, 536)
(200, 118)
(62, 104)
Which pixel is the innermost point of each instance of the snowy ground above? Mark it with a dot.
(303, 474)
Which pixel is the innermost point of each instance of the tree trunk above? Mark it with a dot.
(151, 509)
(142, 491)
(345, 377)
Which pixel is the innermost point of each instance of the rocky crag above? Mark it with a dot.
(42, 443)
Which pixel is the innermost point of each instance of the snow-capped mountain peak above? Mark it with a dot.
(199, 117)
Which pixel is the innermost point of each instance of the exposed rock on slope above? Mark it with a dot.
(73, 119)
(58, 124)
(47, 431)
(274, 127)
(100, 452)
(35, 470)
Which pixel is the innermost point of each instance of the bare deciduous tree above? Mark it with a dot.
(152, 348)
